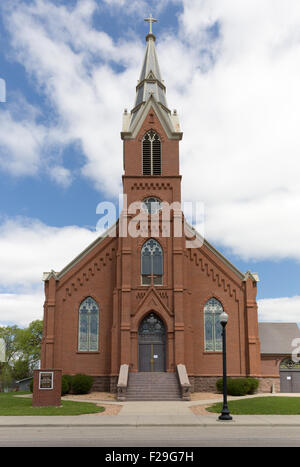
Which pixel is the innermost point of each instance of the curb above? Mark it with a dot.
(138, 425)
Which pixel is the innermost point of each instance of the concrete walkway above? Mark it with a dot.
(155, 414)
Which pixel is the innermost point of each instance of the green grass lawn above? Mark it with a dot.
(12, 405)
(261, 406)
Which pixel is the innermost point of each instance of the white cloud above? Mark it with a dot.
(139, 7)
(240, 121)
(262, 228)
(61, 175)
(29, 248)
(21, 309)
(73, 64)
(284, 309)
(20, 144)
(233, 73)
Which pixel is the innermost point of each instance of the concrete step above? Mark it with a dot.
(153, 386)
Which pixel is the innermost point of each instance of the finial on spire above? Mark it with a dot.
(150, 20)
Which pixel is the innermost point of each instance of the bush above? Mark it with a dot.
(238, 386)
(253, 385)
(219, 385)
(81, 384)
(66, 384)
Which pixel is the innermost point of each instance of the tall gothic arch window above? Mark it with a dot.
(152, 263)
(88, 335)
(212, 325)
(151, 154)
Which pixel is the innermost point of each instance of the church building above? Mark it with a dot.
(150, 303)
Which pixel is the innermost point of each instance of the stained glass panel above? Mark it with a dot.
(212, 325)
(152, 262)
(88, 325)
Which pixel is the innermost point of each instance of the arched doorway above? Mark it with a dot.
(152, 344)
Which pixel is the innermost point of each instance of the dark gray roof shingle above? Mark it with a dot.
(276, 338)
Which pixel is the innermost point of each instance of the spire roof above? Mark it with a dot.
(150, 82)
(150, 87)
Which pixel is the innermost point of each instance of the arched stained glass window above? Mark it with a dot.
(88, 326)
(212, 325)
(152, 263)
(151, 154)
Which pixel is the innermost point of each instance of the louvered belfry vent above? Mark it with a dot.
(151, 154)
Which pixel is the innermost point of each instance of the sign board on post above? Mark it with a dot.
(46, 380)
(46, 388)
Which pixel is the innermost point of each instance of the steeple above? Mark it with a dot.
(151, 90)
(150, 81)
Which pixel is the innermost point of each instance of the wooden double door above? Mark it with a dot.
(152, 344)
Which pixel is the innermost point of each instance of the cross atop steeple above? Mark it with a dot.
(150, 20)
(150, 94)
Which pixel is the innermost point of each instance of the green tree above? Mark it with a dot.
(10, 335)
(6, 376)
(28, 342)
(23, 348)
(21, 369)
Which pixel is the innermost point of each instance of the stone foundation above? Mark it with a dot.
(105, 384)
(208, 383)
(198, 384)
(203, 383)
(266, 385)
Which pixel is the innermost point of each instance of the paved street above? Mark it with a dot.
(150, 436)
(151, 424)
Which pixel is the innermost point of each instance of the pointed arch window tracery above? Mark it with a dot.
(88, 329)
(152, 263)
(212, 326)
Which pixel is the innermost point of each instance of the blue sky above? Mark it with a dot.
(70, 69)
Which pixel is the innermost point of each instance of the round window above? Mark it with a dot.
(152, 205)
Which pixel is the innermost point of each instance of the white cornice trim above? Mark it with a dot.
(253, 275)
(162, 114)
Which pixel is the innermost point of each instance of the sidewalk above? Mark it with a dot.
(153, 414)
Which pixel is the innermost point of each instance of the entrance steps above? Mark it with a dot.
(156, 386)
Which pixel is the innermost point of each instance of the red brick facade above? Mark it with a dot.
(110, 272)
(49, 394)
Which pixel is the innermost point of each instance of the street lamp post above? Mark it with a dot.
(225, 415)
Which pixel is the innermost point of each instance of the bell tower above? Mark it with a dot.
(150, 265)
(151, 135)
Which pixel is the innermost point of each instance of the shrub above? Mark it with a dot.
(81, 384)
(65, 386)
(219, 385)
(253, 382)
(66, 382)
(238, 386)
